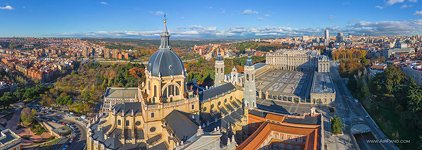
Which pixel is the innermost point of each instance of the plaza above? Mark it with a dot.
(292, 86)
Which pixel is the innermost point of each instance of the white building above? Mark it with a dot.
(414, 71)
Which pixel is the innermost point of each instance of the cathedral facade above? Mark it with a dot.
(165, 113)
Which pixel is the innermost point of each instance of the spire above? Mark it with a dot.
(165, 36)
(165, 24)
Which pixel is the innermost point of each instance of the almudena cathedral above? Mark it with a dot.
(166, 112)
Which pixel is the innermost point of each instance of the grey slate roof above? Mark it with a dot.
(322, 83)
(307, 120)
(7, 136)
(259, 65)
(182, 126)
(258, 113)
(117, 92)
(160, 146)
(212, 92)
(128, 107)
(165, 62)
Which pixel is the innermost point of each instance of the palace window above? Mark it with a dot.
(193, 106)
(119, 122)
(152, 115)
(127, 122)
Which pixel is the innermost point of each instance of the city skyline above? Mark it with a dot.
(208, 19)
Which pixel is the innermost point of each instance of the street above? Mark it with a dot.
(353, 113)
(77, 139)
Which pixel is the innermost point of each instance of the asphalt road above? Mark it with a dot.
(79, 135)
(351, 110)
(80, 139)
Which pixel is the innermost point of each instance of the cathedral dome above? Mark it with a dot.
(165, 62)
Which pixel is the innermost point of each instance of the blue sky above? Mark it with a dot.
(208, 18)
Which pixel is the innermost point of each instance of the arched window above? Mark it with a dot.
(152, 115)
(193, 106)
(155, 90)
(165, 94)
(171, 90)
(119, 122)
(127, 122)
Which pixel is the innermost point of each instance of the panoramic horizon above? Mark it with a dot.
(209, 19)
(211, 75)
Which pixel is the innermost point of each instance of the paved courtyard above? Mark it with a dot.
(285, 83)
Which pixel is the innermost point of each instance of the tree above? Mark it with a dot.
(64, 99)
(393, 77)
(27, 116)
(415, 97)
(7, 99)
(336, 125)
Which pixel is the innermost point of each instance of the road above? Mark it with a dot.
(78, 134)
(353, 112)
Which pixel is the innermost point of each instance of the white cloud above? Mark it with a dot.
(379, 7)
(405, 6)
(103, 3)
(392, 2)
(267, 15)
(409, 27)
(249, 12)
(419, 13)
(158, 13)
(7, 7)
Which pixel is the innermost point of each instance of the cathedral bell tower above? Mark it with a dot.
(219, 70)
(249, 93)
